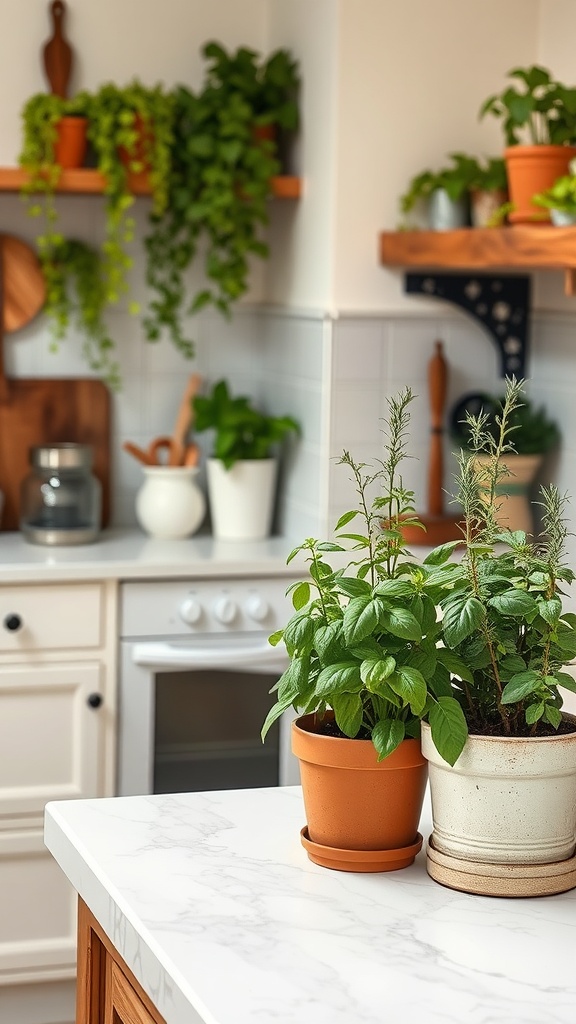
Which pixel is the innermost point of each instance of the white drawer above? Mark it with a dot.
(68, 615)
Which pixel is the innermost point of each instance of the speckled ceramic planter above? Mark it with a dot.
(508, 804)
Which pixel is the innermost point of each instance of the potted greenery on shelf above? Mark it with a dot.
(489, 193)
(539, 120)
(445, 193)
(219, 185)
(364, 668)
(242, 472)
(503, 796)
(560, 198)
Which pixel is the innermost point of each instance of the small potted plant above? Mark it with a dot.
(539, 121)
(219, 186)
(560, 198)
(503, 791)
(445, 192)
(533, 434)
(364, 668)
(488, 192)
(243, 469)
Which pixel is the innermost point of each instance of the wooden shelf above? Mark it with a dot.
(87, 181)
(539, 246)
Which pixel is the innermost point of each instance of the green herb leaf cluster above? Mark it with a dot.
(241, 430)
(534, 108)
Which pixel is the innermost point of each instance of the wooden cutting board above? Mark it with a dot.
(43, 411)
(37, 411)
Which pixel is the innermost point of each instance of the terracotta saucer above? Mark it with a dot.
(360, 860)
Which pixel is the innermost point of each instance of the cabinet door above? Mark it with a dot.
(50, 736)
(123, 1005)
(38, 915)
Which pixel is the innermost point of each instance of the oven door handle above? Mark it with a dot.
(257, 658)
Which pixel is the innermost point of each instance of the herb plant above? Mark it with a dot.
(456, 179)
(561, 195)
(363, 638)
(535, 109)
(502, 615)
(530, 430)
(241, 431)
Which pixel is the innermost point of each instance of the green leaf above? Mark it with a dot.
(514, 602)
(442, 553)
(301, 595)
(299, 634)
(348, 712)
(510, 666)
(462, 616)
(343, 677)
(345, 519)
(278, 709)
(387, 734)
(566, 680)
(552, 715)
(394, 588)
(449, 728)
(360, 618)
(401, 622)
(550, 610)
(534, 713)
(410, 685)
(520, 686)
(375, 670)
(353, 587)
(455, 665)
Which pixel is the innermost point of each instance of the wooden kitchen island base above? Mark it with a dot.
(107, 991)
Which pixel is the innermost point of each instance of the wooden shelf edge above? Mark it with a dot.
(536, 246)
(87, 181)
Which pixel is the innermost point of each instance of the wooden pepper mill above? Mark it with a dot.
(440, 527)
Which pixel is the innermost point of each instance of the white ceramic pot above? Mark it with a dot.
(169, 504)
(241, 498)
(514, 510)
(445, 214)
(562, 219)
(506, 800)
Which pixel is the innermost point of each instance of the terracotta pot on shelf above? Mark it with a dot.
(362, 814)
(533, 169)
(514, 510)
(138, 180)
(71, 142)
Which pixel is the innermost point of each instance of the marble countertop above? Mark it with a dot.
(131, 555)
(215, 907)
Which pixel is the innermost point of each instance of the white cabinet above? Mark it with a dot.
(57, 741)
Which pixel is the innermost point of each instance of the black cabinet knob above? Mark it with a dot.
(12, 622)
(95, 700)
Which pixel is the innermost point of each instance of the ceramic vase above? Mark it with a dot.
(504, 816)
(170, 504)
(362, 814)
(241, 498)
(444, 213)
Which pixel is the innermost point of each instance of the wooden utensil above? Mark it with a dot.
(191, 455)
(185, 411)
(58, 53)
(137, 453)
(174, 452)
(440, 527)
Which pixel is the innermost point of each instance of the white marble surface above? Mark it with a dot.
(215, 907)
(130, 554)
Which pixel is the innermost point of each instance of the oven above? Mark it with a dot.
(196, 671)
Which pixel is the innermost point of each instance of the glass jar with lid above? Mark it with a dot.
(61, 499)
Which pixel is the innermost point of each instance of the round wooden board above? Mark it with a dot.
(23, 287)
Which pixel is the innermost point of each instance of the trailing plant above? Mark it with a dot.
(534, 109)
(218, 187)
(363, 637)
(241, 430)
(76, 295)
(489, 175)
(561, 195)
(502, 616)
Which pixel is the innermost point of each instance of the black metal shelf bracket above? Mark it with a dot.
(501, 304)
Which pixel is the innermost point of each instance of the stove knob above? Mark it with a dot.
(225, 610)
(190, 610)
(257, 608)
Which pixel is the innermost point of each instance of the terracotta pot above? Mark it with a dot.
(532, 169)
(71, 142)
(362, 814)
(138, 179)
(514, 511)
(483, 205)
(504, 816)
